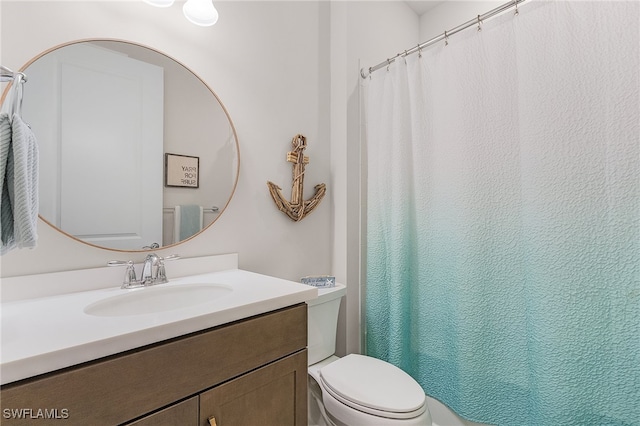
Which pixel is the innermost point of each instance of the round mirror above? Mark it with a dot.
(136, 151)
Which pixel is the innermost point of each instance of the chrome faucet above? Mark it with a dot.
(153, 271)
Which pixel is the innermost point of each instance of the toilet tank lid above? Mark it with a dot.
(374, 383)
(328, 294)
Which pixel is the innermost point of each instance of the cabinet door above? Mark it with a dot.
(183, 413)
(272, 395)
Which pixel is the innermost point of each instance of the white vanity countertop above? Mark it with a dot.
(44, 334)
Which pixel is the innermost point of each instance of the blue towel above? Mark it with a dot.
(188, 221)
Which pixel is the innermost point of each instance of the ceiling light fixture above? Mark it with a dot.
(200, 12)
(159, 3)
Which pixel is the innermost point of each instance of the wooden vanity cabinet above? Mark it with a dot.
(249, 372)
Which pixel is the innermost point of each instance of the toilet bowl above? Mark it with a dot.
(356, 389)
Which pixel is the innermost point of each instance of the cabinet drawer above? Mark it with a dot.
(274, 395)
(122, 387)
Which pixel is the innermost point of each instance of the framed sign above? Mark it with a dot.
(181, 170)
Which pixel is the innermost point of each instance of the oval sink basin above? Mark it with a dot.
(152, 300)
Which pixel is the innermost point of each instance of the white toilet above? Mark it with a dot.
(355, 390)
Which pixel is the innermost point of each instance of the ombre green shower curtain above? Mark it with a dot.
(503, 229)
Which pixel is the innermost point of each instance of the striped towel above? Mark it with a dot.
(24, 183)
(6, 212)
(20, 185)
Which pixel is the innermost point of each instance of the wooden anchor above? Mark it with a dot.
(297, 208)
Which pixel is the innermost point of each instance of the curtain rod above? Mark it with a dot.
(364, 72)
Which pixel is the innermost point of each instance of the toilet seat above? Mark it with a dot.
(374, 387)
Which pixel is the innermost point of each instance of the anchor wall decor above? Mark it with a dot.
(297, 208)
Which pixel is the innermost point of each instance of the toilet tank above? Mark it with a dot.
(322, 322)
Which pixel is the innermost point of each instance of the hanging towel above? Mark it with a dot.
(6, 212)
(22, 182)
(187, 221)
(19, 168)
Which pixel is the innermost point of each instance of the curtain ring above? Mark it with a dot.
(479, 23)
(517, 12)
(388, 63)
(446, 39)
(419, 51)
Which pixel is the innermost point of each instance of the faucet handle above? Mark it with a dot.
(161, 276)
(129, 273)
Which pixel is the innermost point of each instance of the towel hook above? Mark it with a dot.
(8, 75)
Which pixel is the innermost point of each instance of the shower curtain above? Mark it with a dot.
(503, 230)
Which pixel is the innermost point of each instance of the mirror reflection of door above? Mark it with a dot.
(122, 209)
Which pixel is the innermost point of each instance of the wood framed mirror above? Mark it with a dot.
(105, 113)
